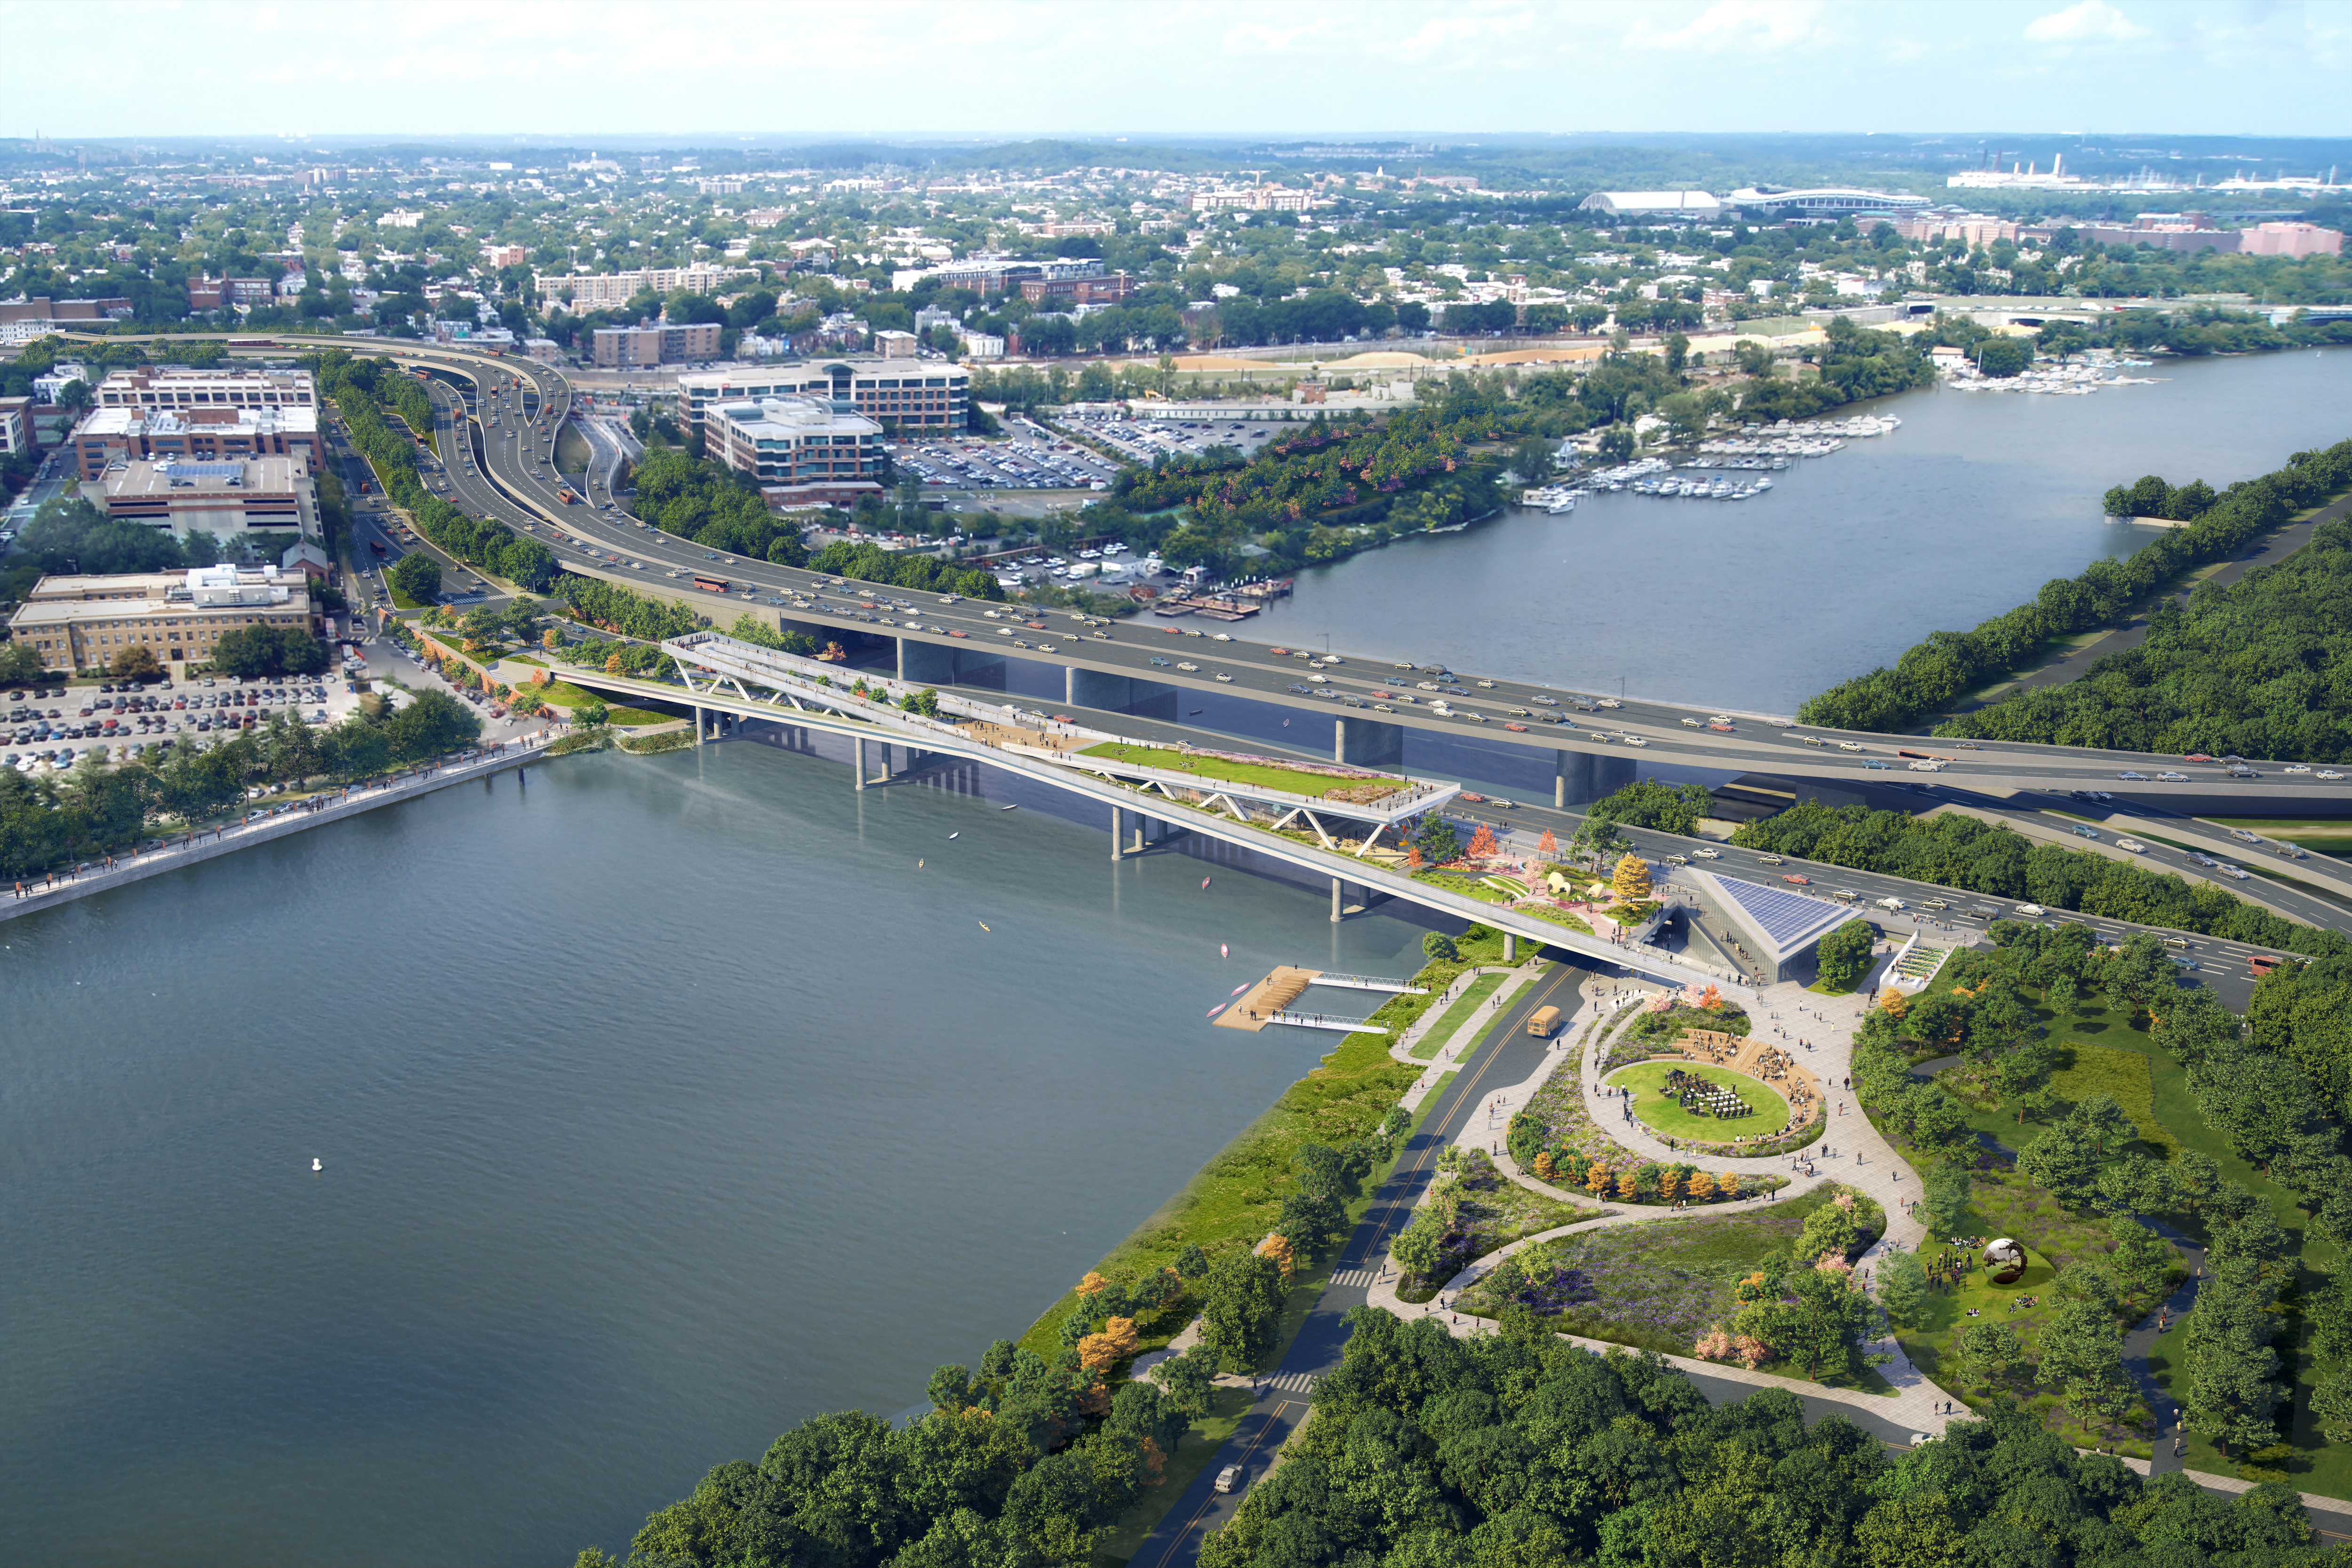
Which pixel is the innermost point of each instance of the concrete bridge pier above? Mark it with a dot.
(1118, 693)
(1510, 947)
(1337, 889)
(1581, 778)
(857, 760)
(697, 726)
(1367, 743)
(1118, 833)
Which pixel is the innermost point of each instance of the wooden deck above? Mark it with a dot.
(1271, 995)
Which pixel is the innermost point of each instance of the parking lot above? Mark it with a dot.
(54, 728)
(1144, 439)
(1033, 458)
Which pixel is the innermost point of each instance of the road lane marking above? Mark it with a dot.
(1209, 1501)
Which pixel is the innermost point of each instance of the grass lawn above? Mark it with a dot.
(1929, 1343)
(1767, 1110)
(564, 694)
(1659, 1284)
(1213, 770)
(1468, 1003)
(1495, 1212)
(526, 658)
(401, 600)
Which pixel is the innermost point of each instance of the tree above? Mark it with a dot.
(590, 715)
(1989, 1349)
(2083, 1351)
(1439, 948)
(1944, 1194)
(1420, 1246)
(1843, 956)
(417, 577)
(949, 1387)
(135, 661)
(1632, 881)
(2003, 357)
(1188, 1381)
(1241, 1305)
(1902, 1285)
(2232, 1370)
(267, 651)
(2331, 1405)
(18, 661)
(430, 724)
(2063, 1161)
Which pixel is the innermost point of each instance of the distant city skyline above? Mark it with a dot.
(1081, 68)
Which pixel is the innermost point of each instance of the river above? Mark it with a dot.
(1964, 511)
(663, 1103)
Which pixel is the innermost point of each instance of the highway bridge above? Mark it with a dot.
(499, 418)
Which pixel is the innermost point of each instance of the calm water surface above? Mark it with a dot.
(1964, 511)
(665, 1102)
(662, 1102)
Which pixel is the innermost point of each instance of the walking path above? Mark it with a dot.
(260, 826)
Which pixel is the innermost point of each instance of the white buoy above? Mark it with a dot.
(315, 1164)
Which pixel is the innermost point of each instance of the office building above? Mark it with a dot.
(2290, 239)
(118, 434)
(635, 348)
(805, 451)
(497, 255)
(895, 345)
(924, 395)
(82, 623)
(15, 425)
(239, 495)
(1091, 290)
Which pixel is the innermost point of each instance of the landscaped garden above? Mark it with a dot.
(1691, 1102)
(1676, 1284)
(1324, 781)
(2095, 1094)
(1555, 1140)
(1473, 1209)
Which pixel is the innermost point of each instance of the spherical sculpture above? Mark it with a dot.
(2004, 1260)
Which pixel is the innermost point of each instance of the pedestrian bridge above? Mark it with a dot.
(726, 676)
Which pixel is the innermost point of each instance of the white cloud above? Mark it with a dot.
(2085, 22)
(1766, 25)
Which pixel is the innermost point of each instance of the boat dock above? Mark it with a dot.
(1268, 1001)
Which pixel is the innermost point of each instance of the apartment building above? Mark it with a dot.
(605, 291)
(81, 623)
(497, 255)
(917, 396)
(163, 386)
(634, 348)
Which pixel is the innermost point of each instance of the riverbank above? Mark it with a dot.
(261, 827)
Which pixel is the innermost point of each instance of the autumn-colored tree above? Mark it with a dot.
(1097, 1353)
(1278, 1248)
(1632, 882)
(1547, 844)
(1670, 1185)
(1413, 855)
(1596, 1180)
(613, 663)
(1545, 1169)
(1090, 1284)
(1714, 1344)
(1710, 999)
(1482, 844)
(1625, 1187)
(550, 637)
(1894, 1004)
(1702, 1186)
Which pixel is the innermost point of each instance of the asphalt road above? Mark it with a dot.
(1507, 1056)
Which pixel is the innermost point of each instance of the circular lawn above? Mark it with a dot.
(1768, 1113)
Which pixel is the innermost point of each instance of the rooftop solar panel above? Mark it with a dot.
(1786, 917)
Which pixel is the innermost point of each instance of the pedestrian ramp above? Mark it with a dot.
(1292, 1381)
(1353, 1276)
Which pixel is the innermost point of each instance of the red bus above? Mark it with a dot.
(710, 585)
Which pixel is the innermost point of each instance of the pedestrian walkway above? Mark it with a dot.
(1851, 1153)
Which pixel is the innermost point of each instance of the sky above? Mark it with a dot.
(1105, 68)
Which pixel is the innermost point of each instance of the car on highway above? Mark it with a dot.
(1635, 741)
(1675, 859)
(1227, 680)
(2133, 844)
(1797, 879)
(1852, 746)
(2196, 757)
(1875, 762)
(2329, 773)
(1190, 668)
(2130, 778)
(1708, 854)
(1516, 727)
(1607, 702)
(1890, 903)
(1769, 859)
(2172, 778)
(1229, 1478)
(2033, 911)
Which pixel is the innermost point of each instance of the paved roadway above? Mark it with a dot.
(511, 477)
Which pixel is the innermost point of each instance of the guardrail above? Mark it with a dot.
(1370, 982)
(1328, 1021)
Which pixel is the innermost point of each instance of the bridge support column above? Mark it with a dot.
(1580, 777)
(1510, 947)
(857, 759)
(1117, 832)
(697, 726)
(926, 662)
(1367, 743)
(1335, 886)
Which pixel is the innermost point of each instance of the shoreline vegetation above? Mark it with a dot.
(1934, 673)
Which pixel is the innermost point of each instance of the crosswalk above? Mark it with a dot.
(1293, 1381)
(1352, 1277)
